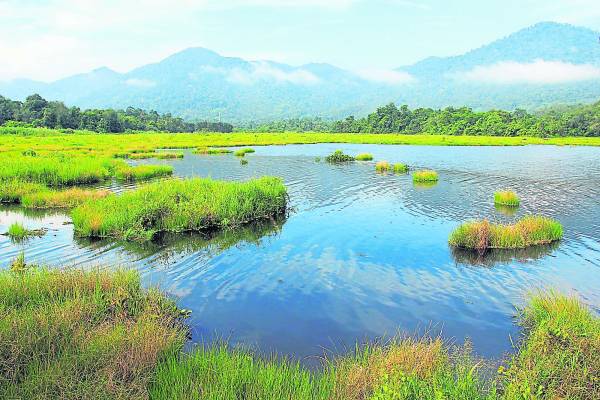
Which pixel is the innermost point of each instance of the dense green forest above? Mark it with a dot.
(559, 121)
(38, 112)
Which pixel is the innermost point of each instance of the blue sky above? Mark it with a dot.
(50, 39)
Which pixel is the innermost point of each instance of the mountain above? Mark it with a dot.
(542, 65)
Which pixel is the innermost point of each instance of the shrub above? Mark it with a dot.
(338, 156)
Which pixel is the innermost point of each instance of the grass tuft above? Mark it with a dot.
(506, 198)
(383, 166)
(364, 157)
(179, 206)
(425, 176)
(529, 231)
(338, 156)
(400, 168)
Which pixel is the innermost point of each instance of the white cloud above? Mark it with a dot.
(537, 72)
(386, 76)
(265, 71)
(140, 83)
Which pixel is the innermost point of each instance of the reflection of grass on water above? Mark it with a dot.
(509, 211)
(170, 245)
(502, 256)
(424, 185)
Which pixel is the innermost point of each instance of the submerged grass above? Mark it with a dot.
(506, 198)
(180, 205)
(425, 176)
(529, 231)
(364, 157)
(70, 334)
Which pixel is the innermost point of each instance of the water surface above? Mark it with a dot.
(361, 254)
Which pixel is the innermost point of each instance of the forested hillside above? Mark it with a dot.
(38, 112)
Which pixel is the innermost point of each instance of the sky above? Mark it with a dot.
(51, 39)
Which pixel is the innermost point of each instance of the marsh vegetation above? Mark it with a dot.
(528, 231)
(425, 176)
(506, 198)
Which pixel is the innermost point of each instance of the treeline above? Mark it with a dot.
(38, 112)
(561, 121)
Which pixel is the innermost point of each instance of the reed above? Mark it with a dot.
(425, 176)
(178, 206)
(529, 231)
(506, 198)
(364, 157)
(383, 166)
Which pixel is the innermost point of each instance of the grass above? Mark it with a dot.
(243, 152)
(400, 168)
(244, 162)
(160, 155)
(68, 198)
(425, 176)
(338, 156)
(130, 173)
(212, 151)
(17, 231)
(529, 231)
(179, 206)
(559, 354)
(382, 166)
(12, 191)
(364, 157)
(70, 334)
(506, 198)
(82, 335)
(55, 170)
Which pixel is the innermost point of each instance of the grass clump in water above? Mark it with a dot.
(12, 191)
(17, 232)
(338, 156)
(529, 231)
(243, 152)
(212, 151)
(506, 198)
(425, 176)
(130, 173)
(400, 168)
(179, 206)
(364, 157)
(243, 162)
(383, 166)
(72, 334)
(559, 354)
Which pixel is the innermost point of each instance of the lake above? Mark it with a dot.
(361, 255)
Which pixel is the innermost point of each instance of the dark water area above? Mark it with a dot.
(361, 254)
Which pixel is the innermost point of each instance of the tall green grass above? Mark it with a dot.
(55, 170)
(529, 231)
(506, 198)
(559, 354)
(36, 195)
(179, 206)
(17, 231)
(82, 335)
(400, 168)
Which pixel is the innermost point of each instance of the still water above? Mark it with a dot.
(360, 255)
